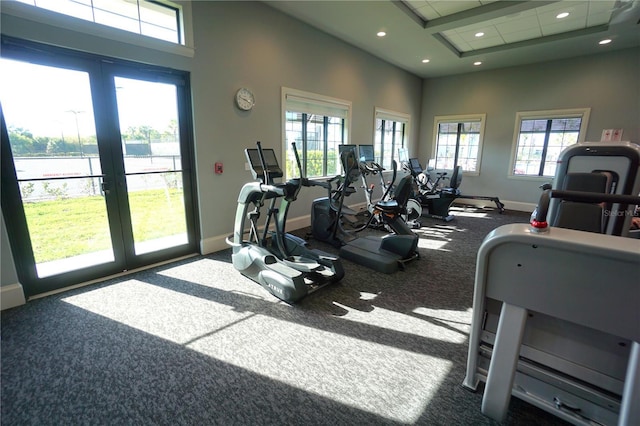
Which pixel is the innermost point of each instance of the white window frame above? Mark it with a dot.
(583, 113)
(311, 103)
(482, 118)
(389, 115)
(66, 23)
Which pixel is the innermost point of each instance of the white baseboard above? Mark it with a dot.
(213, 244)
(508, 205)
(299, 222)
(217, 243)
(11, 296)
(519, 206)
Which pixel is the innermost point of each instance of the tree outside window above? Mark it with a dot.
(317, 138)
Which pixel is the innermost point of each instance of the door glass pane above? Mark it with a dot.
(148, 113)
(52, 134)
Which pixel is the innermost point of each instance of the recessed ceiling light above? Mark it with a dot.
(426, 61)
(477, 63)
(480, 34)
(562, 15)
(381, 34)
(605, 41)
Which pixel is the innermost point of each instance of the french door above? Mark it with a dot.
(96, 165)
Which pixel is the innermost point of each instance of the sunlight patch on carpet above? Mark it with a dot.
(171, 315)
(353, 370)
(445, 325)
(204, 272)
(459, 320)
(472, 214)
(432, 244)
(387, 381)
(439, 232)
(365, 295)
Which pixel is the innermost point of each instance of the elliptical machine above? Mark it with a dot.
(278, 261)
(384, 254)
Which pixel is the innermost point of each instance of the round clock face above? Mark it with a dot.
(244, 99)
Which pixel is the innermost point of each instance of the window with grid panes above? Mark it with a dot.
(317, 125)
(391, 131)
(540, 138)
(458, 142)
(157, 19)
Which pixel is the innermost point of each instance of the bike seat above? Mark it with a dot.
(388, 206)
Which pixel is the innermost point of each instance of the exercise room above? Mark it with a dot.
(380, 212)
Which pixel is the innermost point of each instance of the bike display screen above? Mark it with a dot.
(366, 153)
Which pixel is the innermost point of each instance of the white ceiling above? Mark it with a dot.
(444, 32)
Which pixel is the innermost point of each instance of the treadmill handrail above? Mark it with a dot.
(540, 215)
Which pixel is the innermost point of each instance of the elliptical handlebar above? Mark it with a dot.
(263, 162)
(298, 163)
(303, 180)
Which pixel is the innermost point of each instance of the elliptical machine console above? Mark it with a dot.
(278, 261)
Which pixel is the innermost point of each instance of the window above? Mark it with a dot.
(458, 142)
(157, 19)
(318, 125)
(391, 131)
(541, 136)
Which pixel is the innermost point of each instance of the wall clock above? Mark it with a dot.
(245, 99)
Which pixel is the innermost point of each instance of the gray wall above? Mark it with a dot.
(607, 83)
(244, 44)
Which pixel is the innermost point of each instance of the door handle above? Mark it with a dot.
(105, 187)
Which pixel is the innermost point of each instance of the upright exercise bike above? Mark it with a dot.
(278, 261)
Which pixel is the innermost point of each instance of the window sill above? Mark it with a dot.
(541, 179)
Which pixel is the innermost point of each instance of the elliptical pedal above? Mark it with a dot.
(302, 264)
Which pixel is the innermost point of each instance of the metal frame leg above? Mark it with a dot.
(504, 358)
(630, 408)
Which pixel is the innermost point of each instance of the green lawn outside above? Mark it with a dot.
(65, 228)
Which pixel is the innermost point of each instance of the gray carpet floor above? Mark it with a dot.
(195, 343)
